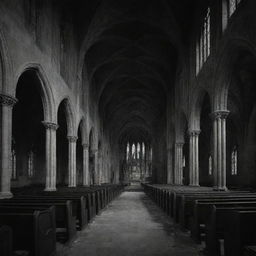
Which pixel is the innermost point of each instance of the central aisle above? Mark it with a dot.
(132, 225)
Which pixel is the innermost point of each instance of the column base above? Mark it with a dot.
(50, 189)
(86, 186)
(194, 185)
(72, 186)
(4, 195)
(220, 189)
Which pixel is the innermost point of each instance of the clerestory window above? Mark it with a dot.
(203, 44)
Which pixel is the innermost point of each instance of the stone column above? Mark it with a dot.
(219, 153)
(96, 169)
(86, 174)
(100, 167)
(169, 166)
(72, 161)
(193, 158)
(50, 155)
(6, 104)
(178, 163)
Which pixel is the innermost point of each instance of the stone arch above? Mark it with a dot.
(28, 132)
(92, 162)
(69, 115)
(180, 128)
(45, 89)
(92, 139)
(196, 108)
(6, 68)
(223, 70)
(82, 126)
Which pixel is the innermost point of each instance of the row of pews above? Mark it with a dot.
(225, 221)
(34, 220)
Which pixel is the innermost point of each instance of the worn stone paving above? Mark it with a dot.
(132, 225)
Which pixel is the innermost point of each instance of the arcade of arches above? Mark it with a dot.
(101, 95)
(97, 92)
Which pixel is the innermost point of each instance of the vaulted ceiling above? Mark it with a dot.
(132, 50)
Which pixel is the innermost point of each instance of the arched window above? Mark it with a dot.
(127, 151)
(151, 154)
(228, 9)
(232, 6)
(30, 164)
(210, 165)
(133, 151)
(13, 165)
(203, 44)
(143, 150)
(138, 150)
(184, 161)
(234, 161)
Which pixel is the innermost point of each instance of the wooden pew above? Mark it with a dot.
(215, 226)
(187, 203)
(78, 203)
(33, 229)
(239, 231)
(5, 241)
(202, 212)
(250, 251)
(88, 194)
(65, 220)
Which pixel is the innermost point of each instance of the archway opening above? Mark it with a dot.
(241, 128)
(79, 156)
(28, 132)
(205, 144)
(62, 146)
(91, 158)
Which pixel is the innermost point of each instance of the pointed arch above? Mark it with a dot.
(224, 67)
(69, 115)
(6, 68)
(83, 127)
(181, 126)
(196, 109)
(45, 89)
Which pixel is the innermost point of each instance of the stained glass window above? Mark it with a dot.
(13, 165)
(203, 46)
(31, 164)
(127, 151)
(210, 165)
(234, 161)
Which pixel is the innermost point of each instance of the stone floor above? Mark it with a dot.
(132, 225)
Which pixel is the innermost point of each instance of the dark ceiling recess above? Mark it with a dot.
(131, 57)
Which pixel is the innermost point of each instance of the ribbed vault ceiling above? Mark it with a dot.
(131, 56)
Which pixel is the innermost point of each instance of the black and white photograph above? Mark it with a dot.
(127, 127)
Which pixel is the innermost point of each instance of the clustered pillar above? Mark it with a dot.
(50, 156)
(219, 135)
(169, 167)
(96, 167)
(178, 177)
(6, 103)
(86, 175)
(193, 158)
(72, 161)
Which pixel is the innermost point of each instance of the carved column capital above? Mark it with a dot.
(7, 100)
(220, 114)
(179, 144)
(49, 125)
(72, 138)
(94, 151)
(85, 146)
(194, 132)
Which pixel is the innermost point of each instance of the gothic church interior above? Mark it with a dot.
(140, 107)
